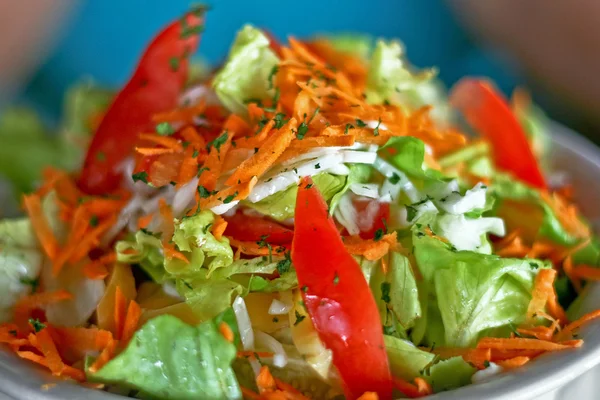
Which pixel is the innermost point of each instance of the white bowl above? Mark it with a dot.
(545, 377)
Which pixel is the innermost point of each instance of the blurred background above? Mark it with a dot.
(551, 47)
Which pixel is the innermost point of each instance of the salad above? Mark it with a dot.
(313, 219)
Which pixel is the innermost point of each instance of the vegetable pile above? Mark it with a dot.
(308, 221)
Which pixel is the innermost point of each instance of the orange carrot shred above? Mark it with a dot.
(249, 394)
(33, 206)
(226, 331)
(423, 386)
(171, 253)
(525, 344)
(568, 330)
(407, 388)
(104, 357)
(168, 142)
(48, 348)
(370, 248)
(369, 396)
(267, 154)
(120, 312)
(265, 380)
(513, 362)
(27, 304)
(232, 193)
(145, 220)
(218, 227)
(134, 312)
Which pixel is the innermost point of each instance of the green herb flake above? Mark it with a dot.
(94, 221)
(140, 176)
(33, 282)
(100, 156)
(272, 75)
(299, 318)
(164, 129)
(203, 192)
(230, 198)
(385, 292)
(174, 64)
(360, 123)
(378, 235)
(279, 120)
(302, 130)
(36, 324)
(336, 279)
(347, 128)
(284, 265)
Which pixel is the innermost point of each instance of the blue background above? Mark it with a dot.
(105, 37)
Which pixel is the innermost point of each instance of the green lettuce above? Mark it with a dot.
(246, 74)
(407, 154)
(145, 250)
(280, 206)
(193, 237)
(406, 360)
(396, 293)
(391, 78)
(449, 374)
(169, 359)
(474, 293)
(359, 173)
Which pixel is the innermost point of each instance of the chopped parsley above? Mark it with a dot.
(33, 282)
(302, 130)
(263, 243)
(272, 75)
(304, 288)
(533, 265)
(218, 142)
(360, 123)
(378, 235)
(279, 120)
(385, 291)
(203, 192)
(207, 228)
(164, 129)
(317, 166)
(299, 318)
(100, 156)
(36, 324)
(284, 265)
(376, 130)
(94, 221)
(275, 319)
(308, 186)
(201, 170)
(230, 198)
(174, 63)
(140, 176)
(336, 278)
(411, 213)
(187, 31)
(347, 128)
(486, 363)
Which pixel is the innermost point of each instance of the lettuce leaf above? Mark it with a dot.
(246, 73)
(169, 359)
(145, 250)
(450, 374)
(193, 237)
(396, 293)
(20, 263)
(406, 360)
(280, 206)
(474, 293)
(359, 173)
(407, 154)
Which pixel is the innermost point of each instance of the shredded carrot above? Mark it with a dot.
(167, 227)
(586, 272)
(132, 320)
(92, 239)
(291, 392)
(191, 135)
(513, 362)
(477, 357)
(540, 332)
(265, 380)
(370, 248)
(48, 348)
(266, 155)
(95, 270)
(33, 206)
(407, 388)
(568, 330)
(544, 294)
(232, 193)
(168, 142)
(189, 167)
(423, 386)
(104, 357)
(503, 354)
(75, 342)
(73, 373)
(218, 227)
(120, 312)
(183, 114)
(152, 151)
(171, 253)
(144, 221)
(226, 332)
(526, 344)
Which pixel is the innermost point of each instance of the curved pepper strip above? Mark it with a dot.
(489, 113)
(154, 87)
(338, 299)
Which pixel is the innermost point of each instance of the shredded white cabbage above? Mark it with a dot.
(268, 342)
(244, 324)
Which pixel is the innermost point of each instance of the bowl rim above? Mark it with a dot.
(20, 379)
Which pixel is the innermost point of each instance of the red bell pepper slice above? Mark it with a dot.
(338, 298)
(154, 87)
(489, 113)
(250, 228)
